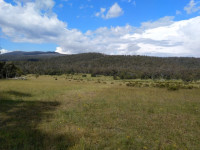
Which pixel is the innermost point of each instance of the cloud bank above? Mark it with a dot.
(34, 22)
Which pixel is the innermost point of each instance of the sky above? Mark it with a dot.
(161, 28)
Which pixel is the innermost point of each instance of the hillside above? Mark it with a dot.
(125, 67)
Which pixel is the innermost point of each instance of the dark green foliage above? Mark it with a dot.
(127, 75)
(84, 75)
(93, 75)
(2, 64)
(9, 70)
(124, 67)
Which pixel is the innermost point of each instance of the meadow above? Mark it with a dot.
(77, 112)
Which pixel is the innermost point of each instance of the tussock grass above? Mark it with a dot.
(170, 85)
(44, 113)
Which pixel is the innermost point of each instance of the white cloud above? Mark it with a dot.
(27, 24)
(101, 13)
(3, 51)
(114, 12)
(165, 21)
(192, 7)
(178, 39)
(159, 38)
(164, 37)
(44, 4)
(39, 4)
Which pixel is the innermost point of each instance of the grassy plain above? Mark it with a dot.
(77, 113)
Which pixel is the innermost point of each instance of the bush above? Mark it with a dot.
(93, 75)
(37, 75)
(130, 84)
(173, 88)
(188, 87)
(161, 85)
(115, 77)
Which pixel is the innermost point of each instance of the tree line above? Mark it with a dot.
(120, 67)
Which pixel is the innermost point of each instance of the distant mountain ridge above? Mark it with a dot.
(32, 56)
(31, 53)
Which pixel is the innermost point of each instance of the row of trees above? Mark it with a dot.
(120, 67)
(9, 70)
(123, 67)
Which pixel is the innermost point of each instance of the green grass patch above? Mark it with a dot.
(83, 112)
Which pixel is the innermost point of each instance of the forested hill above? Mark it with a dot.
(123, 67)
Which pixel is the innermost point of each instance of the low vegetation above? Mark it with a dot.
(168, 84)
(82, 112)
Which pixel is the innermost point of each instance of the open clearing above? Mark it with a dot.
(65, 112)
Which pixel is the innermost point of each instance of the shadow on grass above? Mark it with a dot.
(18, 94)
(19, 122)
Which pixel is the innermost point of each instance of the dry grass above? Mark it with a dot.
(86, 113)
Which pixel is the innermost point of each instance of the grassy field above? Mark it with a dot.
(77, 113)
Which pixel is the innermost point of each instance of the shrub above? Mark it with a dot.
(116, 77)
(37, 75)
(130, 84)
(93, 75)
(188, 87)
(173, 87)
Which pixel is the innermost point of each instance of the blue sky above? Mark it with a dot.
(127, 27)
